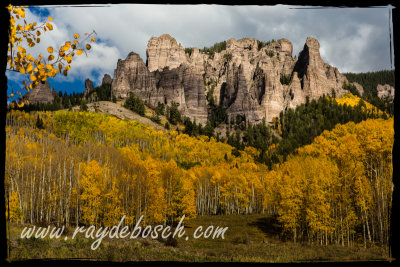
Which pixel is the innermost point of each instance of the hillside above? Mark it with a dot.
(370, 80)
(117, 110)
(119, 163)
(378, 88)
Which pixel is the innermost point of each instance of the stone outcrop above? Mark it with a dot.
(385, 91)
(164, 52)
(246, 79)
(88, 87)
(359, 88)
(317, 78)
(132, 75)
(183, 85)
(106, 79)
(41, 94)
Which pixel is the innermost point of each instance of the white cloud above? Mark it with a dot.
(101, 59)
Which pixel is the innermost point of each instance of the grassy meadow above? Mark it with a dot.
(249, 238)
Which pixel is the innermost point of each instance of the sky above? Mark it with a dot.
(351, 39)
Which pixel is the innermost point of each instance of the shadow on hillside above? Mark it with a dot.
(268, 225)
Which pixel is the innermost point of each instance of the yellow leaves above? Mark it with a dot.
(30, 57)
(12, 21)
(20, 56)
(66, 47)
(29, 68)
(353, 100)
(21, 70)
(28, 35)
(20, 104)
(28, 27)
(68, 59)
(13, 211)
(40, 66)
(88, 46)
(49, 26)
(53, 73)
(91, 187)
(328, 174)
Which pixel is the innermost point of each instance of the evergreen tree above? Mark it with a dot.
(83, 106)
(173, 114)
(39, 122)
(135, 104)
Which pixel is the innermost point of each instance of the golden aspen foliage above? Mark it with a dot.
(362, 192)
(92, 168)
(353, 100)
(182, 198)
(91, 195)
(37, 69)
(13, 210)
(112, 210)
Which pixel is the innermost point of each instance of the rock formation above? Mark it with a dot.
(359, 88)
(106, 79)
(163, 52)
(182, 85)
(41, 93)
(88, 87)
(246, 79)
(385, 91)
(132, 75)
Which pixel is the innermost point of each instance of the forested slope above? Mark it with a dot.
(88, 168)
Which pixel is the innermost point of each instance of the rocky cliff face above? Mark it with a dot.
(88, 87)
(247, 80)
(359, 88)
(41, 93)
(385, 91)
(106, 79)
(132, 75)
(183, 85)
(163, 52)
